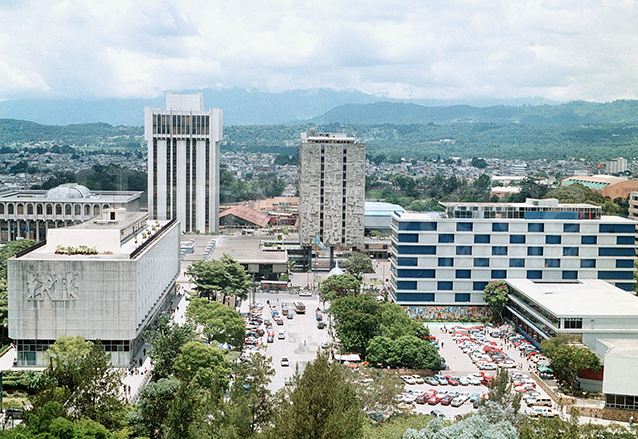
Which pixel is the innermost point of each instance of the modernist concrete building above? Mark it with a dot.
(106, 279)
(331, 190)
(607, 185)
(592, 313)
(30, 213)
(633, 205)
(183, 162)
(442, 262)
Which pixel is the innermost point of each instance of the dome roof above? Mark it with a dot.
(336, 271)
(68, 190)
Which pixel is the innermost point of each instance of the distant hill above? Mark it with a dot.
(578, 112)
(240, 106)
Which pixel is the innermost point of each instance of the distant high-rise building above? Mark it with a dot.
(183, 162)
(616, 166)
(331, 190)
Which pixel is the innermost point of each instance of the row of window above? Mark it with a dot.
(502, 250)
(502, 274)
(429, 297)
(448, 238)
(504, 227)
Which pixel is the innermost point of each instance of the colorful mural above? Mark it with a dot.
(449, 313)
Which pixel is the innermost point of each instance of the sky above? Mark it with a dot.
(560, 50)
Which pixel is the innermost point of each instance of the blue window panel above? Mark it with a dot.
(463, 274)
(462, 297)
(571, 228)
(500, 227)
(464, 227)
(408, 237)
(446, 238)
(589, 240)
(424, 227)
(551, 215)
(625, 275)
(570, 251)
(588, 263)
(407, 262)
(517, 262)
(406, 285)
(624, 263)
(517, 239)
(408, 272)
(479, 286)
(617, 228)
(415, 297)
(534, 251)
(625, 286)
(499, 250)
(570, 275)
(481, 262)
(616, 251)
(444, 285)
(481, 239)
(499, 274)
(536, 227)
(446, 262)
(552, 263)
(534, 274)
(553, 239)
(463, 250)
(417, 250)
(625, 240)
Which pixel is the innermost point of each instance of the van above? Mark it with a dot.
(543, 401)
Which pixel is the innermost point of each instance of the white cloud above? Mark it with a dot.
(455, 49)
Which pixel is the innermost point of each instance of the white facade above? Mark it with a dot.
(112, 296)
(331, 190)
(183, 162)
(448, 259)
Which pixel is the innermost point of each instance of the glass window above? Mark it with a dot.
(552, 263)
(479, 286)
(417, 249)
(588, 240)
(552, 239)
(625, 275)
(536, 227)
(499, 250)
(464, 227)
(570, 251)
(534, 251)
(627, 286)
(624, 263)
(569, 274)
(625, 240)
(573, 323)
(424, 227)
(500, 227)
(407, 262)
(409, 272)
(463, 274)
(481, 262)
(534, 274)
(412, 297)
(616, 251)
(517, 239)
(408, 237)
(446, 262)
(462, 297)
(617, 228)
(588, 263)
(444, 285)
(446, 238)
(481, 239)
(499, 274)
(571, 228)
(406, 285)
(517, 262)
(463, 250)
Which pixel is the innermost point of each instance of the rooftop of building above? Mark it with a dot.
(248, 214)
(530, 203)
(598, 178)
(621, 347)
(579, 298)
(246, 249)
(69, 192)
(424, 216)
(314, 137)
(381, 208)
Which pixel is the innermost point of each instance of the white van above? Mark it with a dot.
(542, 401)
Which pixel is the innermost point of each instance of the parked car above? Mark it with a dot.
(285, 362)
(279, 321)
(432, 381)
(446, 400)
(441, 379)
(289, 315)
(281, 335)
(321, 325)
(408, 379)
(437, 414)
(418, 379)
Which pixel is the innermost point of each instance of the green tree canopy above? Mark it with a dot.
(357, 320)
(204, 366)
(339, 285)
(357, 264)
(567, 359)
(406, 351)
(167, 340)
(149, 418)
(495, 295)
(220, 323)
(223, 276)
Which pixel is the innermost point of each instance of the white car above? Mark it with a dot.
(418, 379)
(285, 362)
(281, 335)
(459, 400)
(472, 380)
(408, 379)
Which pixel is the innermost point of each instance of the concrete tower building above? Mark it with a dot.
(331, 190)
(183, 162)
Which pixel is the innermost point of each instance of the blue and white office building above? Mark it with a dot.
(445, 259)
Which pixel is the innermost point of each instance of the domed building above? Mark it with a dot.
(29, 214)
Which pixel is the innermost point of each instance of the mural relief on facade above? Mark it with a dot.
(447, 312)
(53, 287)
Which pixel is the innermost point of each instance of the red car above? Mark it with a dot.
(452, 380)
(446, 400)
(434, 400)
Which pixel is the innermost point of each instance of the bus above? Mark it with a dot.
(273, 285)
(300, 307)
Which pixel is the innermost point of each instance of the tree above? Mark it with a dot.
(357, 264)
(376, 388)
(395, 322)
(568, 360)
(167, 340)
(150, 416)
(357, 321)
(9, 250)
(322, 405)
(495, 295)
(339, 285)
(223, 276)
(220, 323)
(407, 351)
(204, 366)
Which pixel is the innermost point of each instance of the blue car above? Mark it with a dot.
(474, 397)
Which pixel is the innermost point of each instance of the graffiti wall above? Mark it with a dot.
(452, 313)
